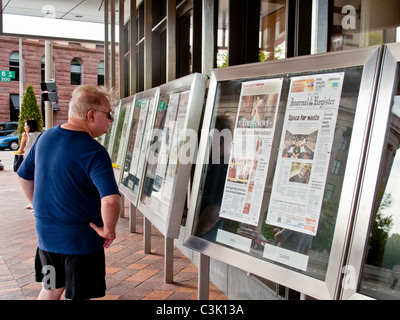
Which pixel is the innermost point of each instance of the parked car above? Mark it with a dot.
(9, 141)
(8, 127)
(258, 240)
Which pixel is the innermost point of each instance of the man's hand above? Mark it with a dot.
(110, 207)
(107, 236)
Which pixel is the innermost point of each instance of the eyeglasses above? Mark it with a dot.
(110, 115)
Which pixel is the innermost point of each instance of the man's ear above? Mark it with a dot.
(90, 115)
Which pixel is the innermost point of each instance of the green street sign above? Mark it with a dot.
(6, 75)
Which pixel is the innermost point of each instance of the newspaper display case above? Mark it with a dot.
(373, 266)
(134, 158)
(122, 126)
(277, 198)
(169, 160)
(169, 163)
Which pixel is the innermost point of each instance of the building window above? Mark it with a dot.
(14, 64)
(100, 73)
(343, 143)
(14, 107)
(336, 166)
(330, 188)
(76, 71)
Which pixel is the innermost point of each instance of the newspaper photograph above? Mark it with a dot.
(305, 148)
(251, 150)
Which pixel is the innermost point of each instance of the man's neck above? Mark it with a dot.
(74, 124)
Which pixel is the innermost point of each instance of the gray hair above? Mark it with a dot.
(87, 97)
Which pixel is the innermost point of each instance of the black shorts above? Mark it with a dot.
(83, 276)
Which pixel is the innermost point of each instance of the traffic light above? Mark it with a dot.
(51, 94)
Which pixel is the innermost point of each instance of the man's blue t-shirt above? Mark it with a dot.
(71, 173)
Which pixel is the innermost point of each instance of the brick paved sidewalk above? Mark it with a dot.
(131, 274)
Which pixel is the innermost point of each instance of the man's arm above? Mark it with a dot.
(27, 187)
(110, 208)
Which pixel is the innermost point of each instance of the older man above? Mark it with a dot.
(69, 178)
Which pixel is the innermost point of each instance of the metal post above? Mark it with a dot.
(122, 66)
(171, 40)
(133, 50)
(48, 69)
(204, 278)
(132, 218)
(148, 47)
(146, 235)
(106, 48)
(207, 54)
(21, 73)
(169, 260)
(113, 53)
(122, 210)
(319, 28)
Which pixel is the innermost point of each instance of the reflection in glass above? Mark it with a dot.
(120, 134)
(381, 270)
(314, 251)
(272, 31)
(119, 138)
(359, 23)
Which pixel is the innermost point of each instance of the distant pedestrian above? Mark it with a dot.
(29, 136)
(27, 140)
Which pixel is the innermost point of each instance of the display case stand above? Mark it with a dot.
(169, 260)
(146, 236)
(203, 290)
(132, 218)
(168, 251)
(122, 210)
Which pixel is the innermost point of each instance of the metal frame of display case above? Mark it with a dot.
(122, 146)
(368, 59)
(128, 193)
(116, 105)
(169, 223)
(357, 251)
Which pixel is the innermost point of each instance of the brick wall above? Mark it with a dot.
(63, 53)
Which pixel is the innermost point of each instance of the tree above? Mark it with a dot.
(29, 111)
(380, 232)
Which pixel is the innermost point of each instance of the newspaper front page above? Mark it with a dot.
(251, 150)
(305, 147)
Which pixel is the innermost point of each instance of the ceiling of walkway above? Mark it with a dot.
(55, 19)
(79, 10)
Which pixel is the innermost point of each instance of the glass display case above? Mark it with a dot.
(122, 127)
(138, 138)
(171, 153)
(279, 164)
